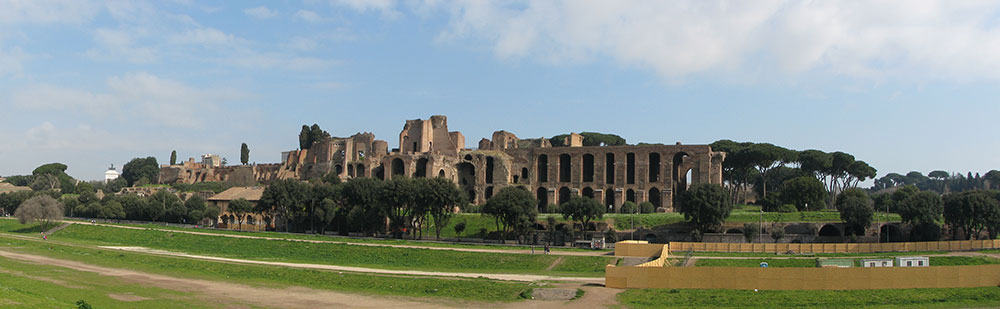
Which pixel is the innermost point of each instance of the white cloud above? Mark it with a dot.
(260, 12)
(912, 39)
(301, 43)
(120, 44)
(206, 37)
(139, 98)
(308, 16)
(11, 61)
(47, 11)
(386, 7)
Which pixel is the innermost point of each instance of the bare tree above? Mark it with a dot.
(42, 208)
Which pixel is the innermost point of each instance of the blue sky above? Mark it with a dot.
(907, 85)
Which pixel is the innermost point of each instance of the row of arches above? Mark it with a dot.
(565, 167)
(353, 170)
(565, 193)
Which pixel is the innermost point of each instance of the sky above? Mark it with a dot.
(903, 85)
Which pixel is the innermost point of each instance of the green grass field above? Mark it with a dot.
(256, 275)
(908, 298)
(336, 254)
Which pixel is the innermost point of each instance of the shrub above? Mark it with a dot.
(751, 231)
(647, 207)
(551, 208)
(927, 231)
(628, 208)
(787, 208)
(459, 228)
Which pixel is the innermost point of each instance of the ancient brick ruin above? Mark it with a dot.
(610, 174)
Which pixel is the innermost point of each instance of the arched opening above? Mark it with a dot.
(609, 168)
(466, 174)
(830, 230)
(542, 195)
(588, 168)
(488, 193)
(609, 197)
(251, 220)
(472, 196)
(468, 157)
(360, 171)
(654, 197)
(565, 168)
(588, 192)
(379, 172)
(654, 167)
(630, 195)
(543, 168)
(421, 168)
(630, 168)
(524, 173)
(350, 170)
(564, 195)
(441, 173)
(397, 167)
(679, 176)
(489, 169)
(890, 233)
(337, 169)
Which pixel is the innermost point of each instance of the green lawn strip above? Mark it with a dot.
(296, 236)
(332, 254)
(276, 276)
(26, 285)
(896, 298)
(811, 262)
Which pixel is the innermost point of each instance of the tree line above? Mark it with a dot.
(940, 181)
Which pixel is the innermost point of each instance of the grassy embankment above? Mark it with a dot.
(901, 298)
(336, 254)
(30, 291)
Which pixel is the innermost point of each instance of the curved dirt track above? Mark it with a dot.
(508, 277)
(536, 251)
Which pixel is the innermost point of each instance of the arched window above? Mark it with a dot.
(565, 168)
(543, 168)
(654, 167)
(588, 168)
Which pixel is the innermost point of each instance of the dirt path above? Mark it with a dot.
(509, 277)
(554, 252)
(555, 263)
(212, 291)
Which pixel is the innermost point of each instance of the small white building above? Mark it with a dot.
(111, 174)
(876, 263)
(211, 160)
(913, 261)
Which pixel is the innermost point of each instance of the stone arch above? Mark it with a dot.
(588, 192)
(441, 173)
(630, 168)
(630, 195)
(565, 167)
(654, 197)
(609, 168)
(679, 176)
(472, 196)
(830, 230)
(350, 170)
(890, 233)
(468, 157)
(542, 195)
(543, 168)
(588, 167)
(338, 169)
(421, 168)
(564, 195)
(488, 193)
(609, 197)
(466, 174)
(654, 167)
(489, 169)
(360, 170)
(524, 173)
(379, 172)
(397, 167)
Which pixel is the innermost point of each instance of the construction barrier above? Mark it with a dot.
(793, 278)
(955, 245)
(639, 248)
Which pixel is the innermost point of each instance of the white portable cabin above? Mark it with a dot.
(913, 261)
(876, 263)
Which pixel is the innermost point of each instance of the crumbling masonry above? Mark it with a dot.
(610, 174)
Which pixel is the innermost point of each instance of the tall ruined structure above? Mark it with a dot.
(609, 174)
